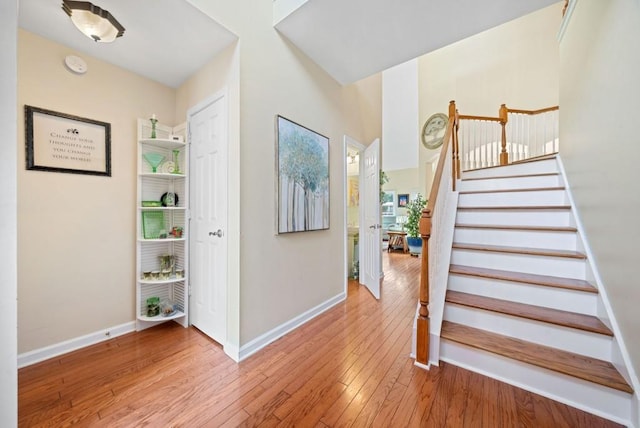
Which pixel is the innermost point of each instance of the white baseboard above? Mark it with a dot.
(37, 355)
(260, 342)
(232, 351)
(422, 366)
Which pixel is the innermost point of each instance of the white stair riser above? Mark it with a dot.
(510, 183)
(541, 265)
(517, 238)
(537, 295)
(568, 339)
(539, 167)
(501, 199)
(606, 402)
(516, 217)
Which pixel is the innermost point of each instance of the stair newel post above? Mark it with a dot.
(422, 342)
(455, 161)
(503, 114)
(456, 126)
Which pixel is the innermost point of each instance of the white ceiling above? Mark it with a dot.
(354, 39)
(168, 40)
(165, 40)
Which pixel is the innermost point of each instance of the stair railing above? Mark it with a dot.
(513, 136)
(433, 274)
(470, 142)
(532, 133)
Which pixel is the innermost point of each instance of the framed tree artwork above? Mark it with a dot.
(302, 175)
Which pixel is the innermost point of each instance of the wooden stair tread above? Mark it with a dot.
(520, 250)
(515, 207)
(527, 160)
(536, 158)
(528, 189)
(579, 366)
(536, 313)
(544, 174)
(527, 278)
(518, 227)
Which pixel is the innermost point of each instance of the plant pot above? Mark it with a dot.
(415, 245)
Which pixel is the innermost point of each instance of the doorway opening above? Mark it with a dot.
(362, 242)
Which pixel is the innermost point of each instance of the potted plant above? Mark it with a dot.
(412, 226)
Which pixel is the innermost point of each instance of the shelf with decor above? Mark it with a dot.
(162, 281)
(161, 318)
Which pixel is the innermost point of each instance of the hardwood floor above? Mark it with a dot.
(348, 367)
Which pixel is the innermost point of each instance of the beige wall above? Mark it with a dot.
(515, 63)
(76, 233)
(403, 181)
(283, 276)
(600, 65)
(8, 218)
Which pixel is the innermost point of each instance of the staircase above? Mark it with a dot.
(520, 305)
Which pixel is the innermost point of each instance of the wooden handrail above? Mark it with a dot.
(422, 342)
(532, 112)
(470, 117)
(433, 194)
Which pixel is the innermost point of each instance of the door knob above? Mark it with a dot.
(217, 233)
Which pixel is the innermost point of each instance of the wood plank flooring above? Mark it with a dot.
(349, 366)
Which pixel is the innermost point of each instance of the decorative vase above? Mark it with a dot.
(415, 245)
(176, 170)
(153, 121)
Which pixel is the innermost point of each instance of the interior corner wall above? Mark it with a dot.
(516, 63)
(8, 217)
(368, 93)
(76, 233)
(223, 73)
(283, 276)
(600, 145)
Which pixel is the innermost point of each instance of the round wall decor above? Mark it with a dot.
(433, 130)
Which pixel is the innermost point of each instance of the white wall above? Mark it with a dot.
(400, 136)
(516, 63)
(8, 209)
(600, 145)
(283, 276)
(76, 233)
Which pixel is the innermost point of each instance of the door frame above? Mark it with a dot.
(191, 111)
(350, 142)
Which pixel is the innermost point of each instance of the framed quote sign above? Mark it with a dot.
(59, 142)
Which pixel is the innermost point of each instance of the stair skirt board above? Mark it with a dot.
(552, 180)
(601, 401)
(526, 197)
(555, 266)
(533, 294)
(539, 167)
(569, 339)
(513, 238)
(515, 218)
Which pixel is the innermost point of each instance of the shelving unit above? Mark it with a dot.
(151, 242)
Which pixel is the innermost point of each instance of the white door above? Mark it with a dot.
(208, 248)
(371, 257)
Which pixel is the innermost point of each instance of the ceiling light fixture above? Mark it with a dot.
(94, 22)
